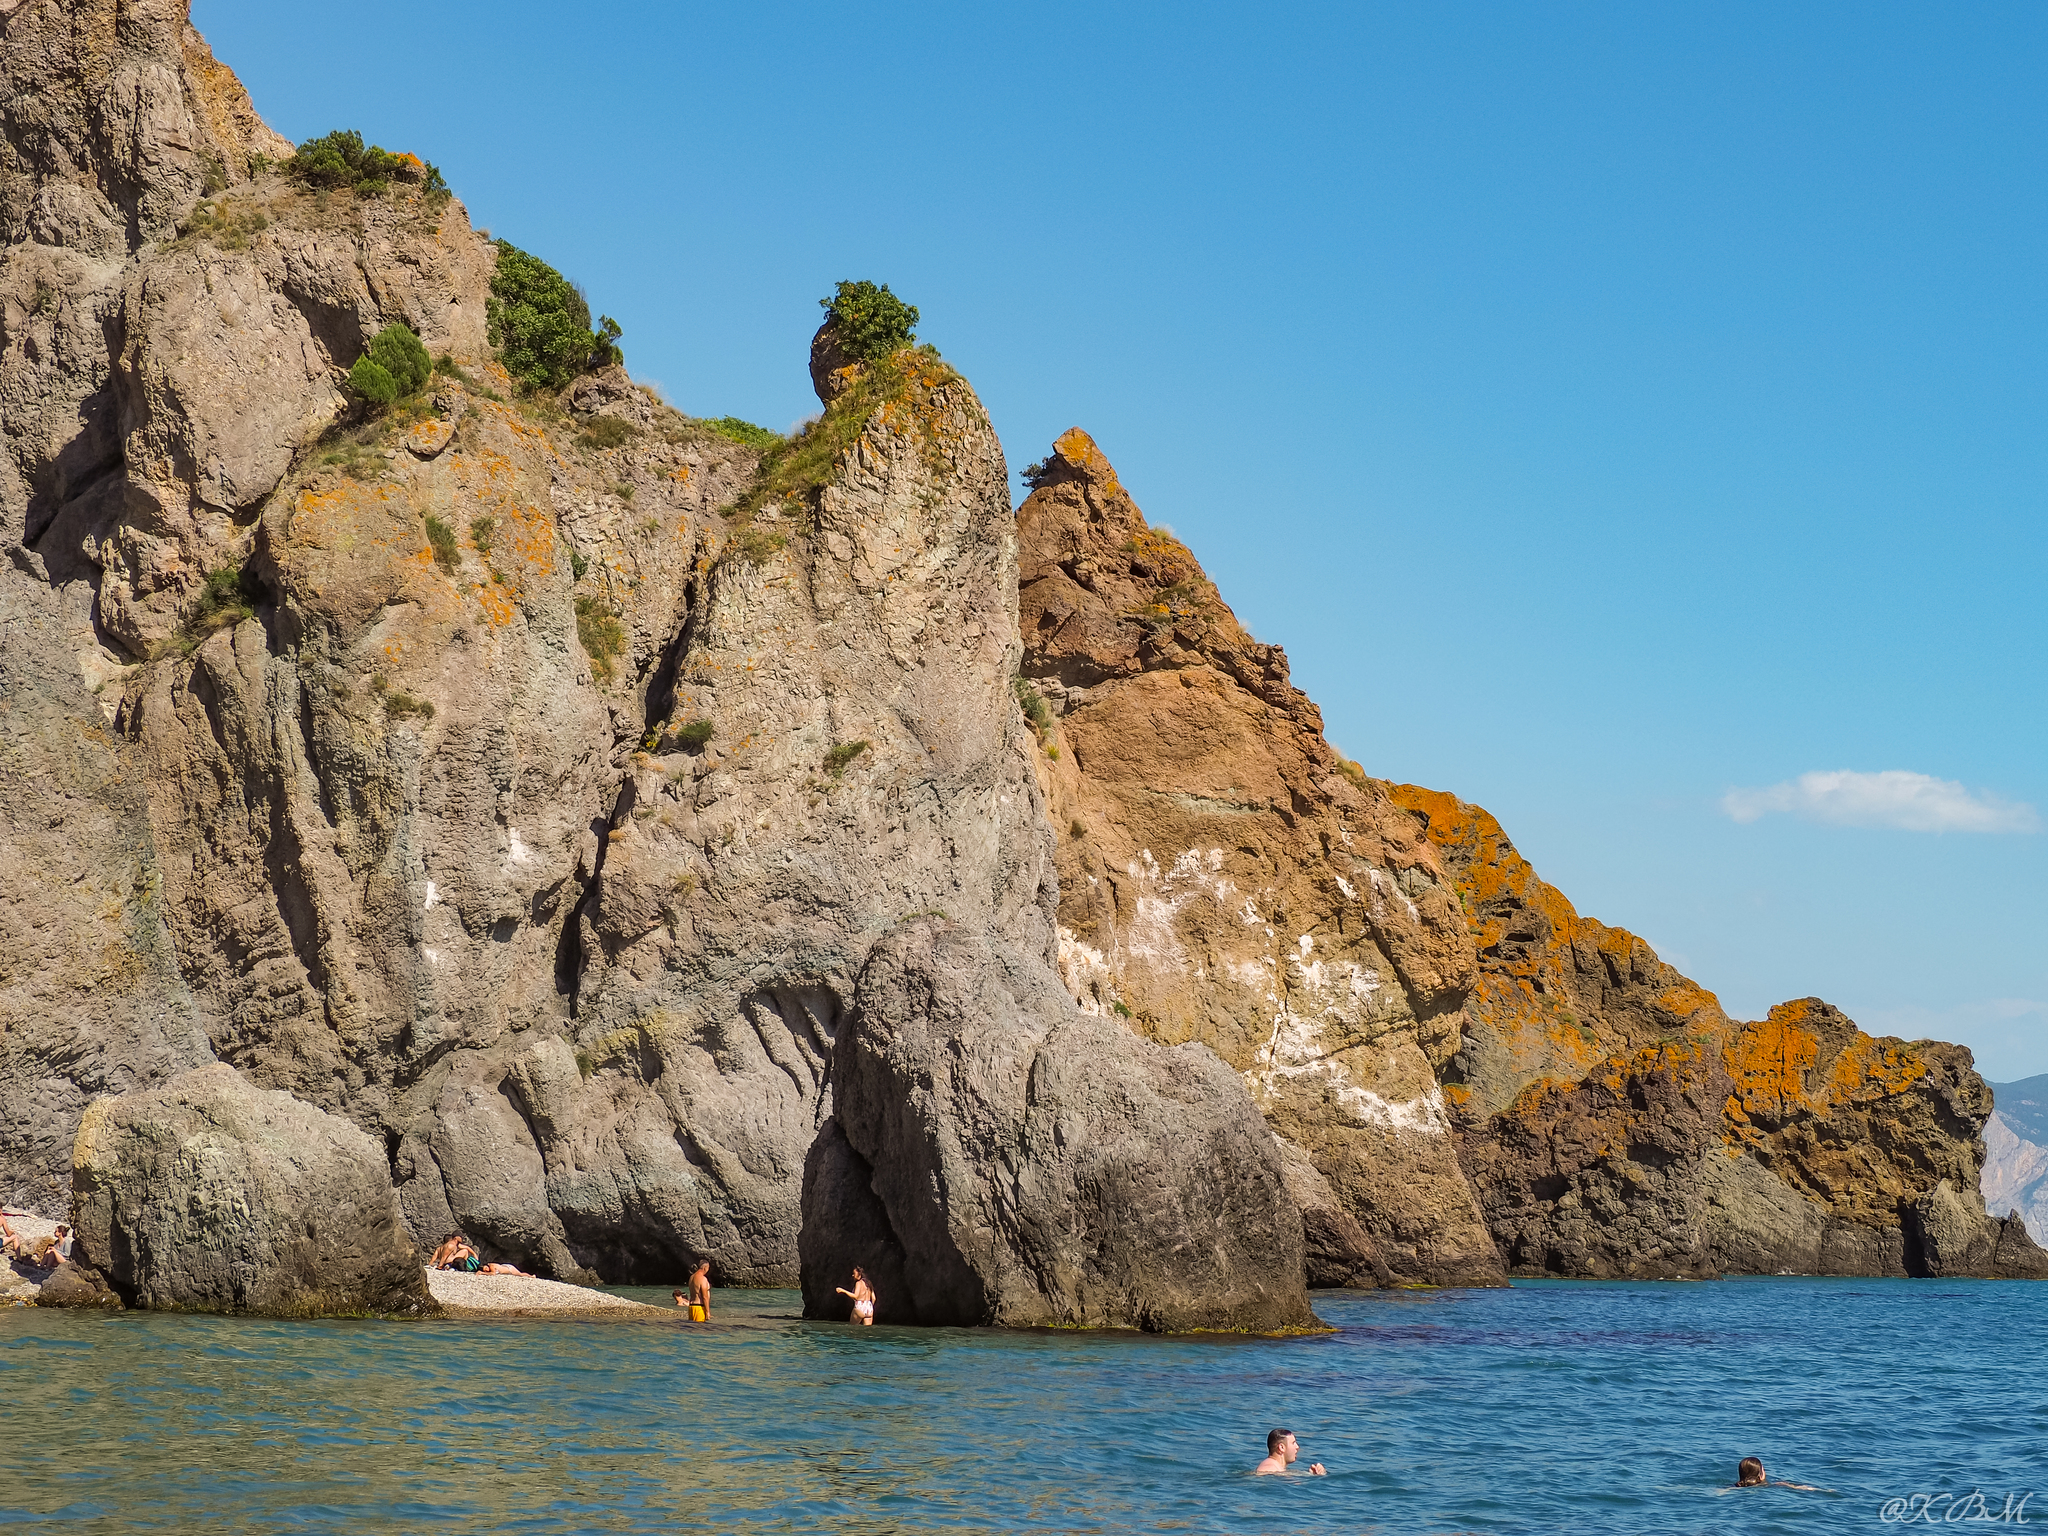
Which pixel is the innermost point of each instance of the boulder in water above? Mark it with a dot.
(1029, 1164)
(210, 1194)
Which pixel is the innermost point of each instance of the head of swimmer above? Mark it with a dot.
(1281, 1443)
(1749, 1473)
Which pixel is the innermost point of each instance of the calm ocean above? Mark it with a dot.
(1551, 1407)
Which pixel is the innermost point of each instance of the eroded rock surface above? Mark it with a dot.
(1615, 1121)
(1225, 877)
(1037, 1165)
(212, 1195)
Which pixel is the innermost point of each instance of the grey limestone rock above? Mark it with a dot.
(1038, 1165)
(212, 1195)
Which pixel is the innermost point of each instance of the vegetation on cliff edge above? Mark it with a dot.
(341, 159)
(540, 323)
(871, 322)
(795, 468)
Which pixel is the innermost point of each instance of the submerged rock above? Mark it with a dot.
(1036, 1165)
(210, 1194)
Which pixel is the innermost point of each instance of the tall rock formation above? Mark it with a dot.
(522, 779)
(999, 1156)
(1225, 877)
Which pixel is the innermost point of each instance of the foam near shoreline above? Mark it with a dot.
(465, 1295)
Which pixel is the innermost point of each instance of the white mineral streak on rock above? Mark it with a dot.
(1152, 937)
(432, 896)
(1344, 994)
(518, 853)
(1350, 891)
(1382, 881)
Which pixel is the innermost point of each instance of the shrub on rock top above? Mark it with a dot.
(540, 323)
(871, 322)
(342, 159)
(396, 365)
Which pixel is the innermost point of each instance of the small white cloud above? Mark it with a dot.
(1909, 802)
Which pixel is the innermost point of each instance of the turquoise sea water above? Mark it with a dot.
(1549, 1407)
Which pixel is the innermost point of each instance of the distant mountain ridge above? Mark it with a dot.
(2016, 1147)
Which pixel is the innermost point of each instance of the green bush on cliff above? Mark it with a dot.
(872, 322)
(395, 366)
(744, 433)
(540, 324)
(341, 159)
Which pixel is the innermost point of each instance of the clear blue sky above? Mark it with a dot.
(1609, 407)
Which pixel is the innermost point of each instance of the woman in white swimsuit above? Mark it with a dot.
(863, 1296)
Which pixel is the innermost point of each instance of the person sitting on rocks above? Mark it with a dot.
(1281, 1449)
(1749, 1473)
(57, 1250)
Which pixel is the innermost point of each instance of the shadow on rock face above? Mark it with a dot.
(1027, 1164)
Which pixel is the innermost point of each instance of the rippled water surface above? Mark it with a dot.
(1550, 1407)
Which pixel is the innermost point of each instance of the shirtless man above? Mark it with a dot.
(700, 1291)
(1281, 1449)
(452, 1250)
(1749, 1473)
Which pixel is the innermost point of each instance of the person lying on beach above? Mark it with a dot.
(1281, 1449)
(456, 1253)
(1749, 1473)
(863, 1296)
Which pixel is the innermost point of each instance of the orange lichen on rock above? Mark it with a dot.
(1079, 450)
(1801, 1060)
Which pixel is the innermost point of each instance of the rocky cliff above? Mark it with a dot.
(521, 777)
(561, 799)
(1479, 1079)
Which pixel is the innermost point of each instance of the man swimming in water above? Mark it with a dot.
(1281, 1449)
(1749, 1473)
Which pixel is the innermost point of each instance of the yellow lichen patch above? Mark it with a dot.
(1079, 450)
(1870, 1068)
(498, 608)
(1769, 1061)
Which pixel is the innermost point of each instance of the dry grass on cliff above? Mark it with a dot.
(796, 468)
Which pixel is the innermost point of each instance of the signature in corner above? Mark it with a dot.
(1954, 1509)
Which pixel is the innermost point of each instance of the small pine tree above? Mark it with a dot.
(373, 381)
(402, 355)
(396, 365)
